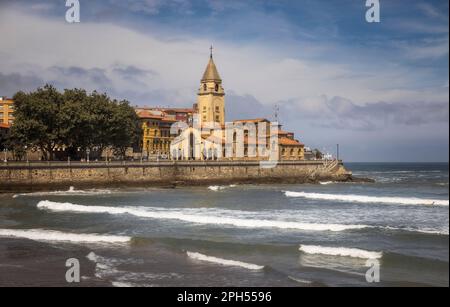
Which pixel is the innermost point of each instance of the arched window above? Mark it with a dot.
(217, 87)
(205, 87)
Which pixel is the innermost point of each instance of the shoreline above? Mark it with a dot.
(24, 188)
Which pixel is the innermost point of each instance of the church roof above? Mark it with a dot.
(289, 142)
(211, 73)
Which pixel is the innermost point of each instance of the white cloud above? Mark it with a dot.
(301, 75)
(261, 70)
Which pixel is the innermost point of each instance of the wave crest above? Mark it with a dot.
(225, 262)
(57, 236)
(369, 199)
(181, 215)
(340, 251)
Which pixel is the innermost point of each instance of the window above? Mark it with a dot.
(217, 87)
(205, 87)
(204, 118)
(217, 109)
(217, 118)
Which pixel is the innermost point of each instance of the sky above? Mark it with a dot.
(380, 90)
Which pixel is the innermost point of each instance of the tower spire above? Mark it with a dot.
(211, 73)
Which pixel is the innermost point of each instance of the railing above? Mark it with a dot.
(138, 163)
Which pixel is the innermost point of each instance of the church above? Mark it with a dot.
(208, 136)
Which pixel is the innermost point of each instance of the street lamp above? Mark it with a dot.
(6, 155)
(26, 152)
(88, 151)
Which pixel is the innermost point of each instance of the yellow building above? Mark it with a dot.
(6, 111)
(156, 140)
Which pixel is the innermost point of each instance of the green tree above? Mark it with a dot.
(75, 120)
(3, 141)
(126, 129)
(78, 125)
(38, 120)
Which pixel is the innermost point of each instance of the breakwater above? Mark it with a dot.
(31, 176)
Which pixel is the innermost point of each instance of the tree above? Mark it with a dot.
(3, 140)
(38, 121)
(126, 129)
(78, 125)
(74, 120)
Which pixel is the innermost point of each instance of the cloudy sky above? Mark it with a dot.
(379, 90)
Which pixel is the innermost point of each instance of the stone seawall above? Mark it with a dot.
(42, 176)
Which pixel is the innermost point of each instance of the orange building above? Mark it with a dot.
(6, 111)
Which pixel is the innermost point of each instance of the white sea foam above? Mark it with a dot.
(225, 262)
(326, 182)
(301, 281)
(217, 188)
(442, 184)
(120, 284)
(158, 213)
(432, 232)
(69, 192)
(57, 236)
(442, 232)
(340, 251)
(104, 267)
(369, 199)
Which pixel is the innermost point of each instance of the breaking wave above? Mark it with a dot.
(225, 262)
(69, 192)
(57, 236)
(155, 213)
(217, 188)
(340, 251)
(369, 199)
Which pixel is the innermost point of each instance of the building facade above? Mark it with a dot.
(156, 123)
(209, 137)
(6, 111)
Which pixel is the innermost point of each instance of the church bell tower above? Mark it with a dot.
(211, 95)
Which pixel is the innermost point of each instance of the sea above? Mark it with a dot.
(394, 232)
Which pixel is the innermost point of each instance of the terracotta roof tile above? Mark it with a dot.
(289, 142)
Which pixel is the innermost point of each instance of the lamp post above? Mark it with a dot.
(5, 151)
(26, 153)
(88, 151)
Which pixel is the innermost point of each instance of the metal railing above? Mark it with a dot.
(139, 163)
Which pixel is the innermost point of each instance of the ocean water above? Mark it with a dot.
(236, 235)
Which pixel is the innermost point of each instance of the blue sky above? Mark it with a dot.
(380, 90)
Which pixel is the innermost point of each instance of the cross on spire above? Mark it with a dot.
(211, 49)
